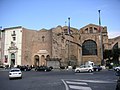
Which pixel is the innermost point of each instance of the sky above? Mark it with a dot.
(38, 14)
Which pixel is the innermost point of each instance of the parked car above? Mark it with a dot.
(25, 68)
(84, 68)
(97, 68)
(43, 68)
(15, 73)
(117, 68)
(118, 81)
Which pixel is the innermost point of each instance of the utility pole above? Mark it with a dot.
(101, 39)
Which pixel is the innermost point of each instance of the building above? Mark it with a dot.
(54, 47)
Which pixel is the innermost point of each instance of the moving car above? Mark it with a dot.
(118, 81)
(15, 73)
(97, 68)
(84, 68)
(43, 68)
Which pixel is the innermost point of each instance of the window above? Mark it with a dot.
(89, 47)
(91, 30)
(14, 38)
(86, 30)
(13, 34)
(43, 38)
(95, 29)
(115, 46)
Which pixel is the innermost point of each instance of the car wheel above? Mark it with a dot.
(90, 70)
(77, 71)
(21, 77)
(45, 70)
(97, 70)
(117, 69)
(9, 78)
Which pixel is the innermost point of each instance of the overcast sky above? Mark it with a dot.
(38, 14)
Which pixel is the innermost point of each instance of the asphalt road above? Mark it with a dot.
(60, 80)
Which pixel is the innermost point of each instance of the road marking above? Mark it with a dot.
(83, 73)
(75, 85)
(95, 81)
(66, 86)
(69, 82)
(79, 87)
(81, 84)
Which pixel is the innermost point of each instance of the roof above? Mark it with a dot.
(13, 27)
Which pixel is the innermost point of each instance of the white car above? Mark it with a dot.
(15, 73)
(84, 68)
(117, 68)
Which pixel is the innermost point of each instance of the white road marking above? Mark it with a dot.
(69, 82)
(66, 86)
(96, 81)
(75, 85)
(79, 87)
(83, 73)
(81, 84)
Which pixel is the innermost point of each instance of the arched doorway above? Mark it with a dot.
(36, 60)
(47, 57)
(12, 59)
(43, 60)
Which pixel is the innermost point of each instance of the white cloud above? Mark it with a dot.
(113, 34)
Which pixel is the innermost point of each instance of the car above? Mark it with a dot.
(97, 68)
(117, 68)
(15, 73)
(43, 68)
(25, 68)
(84, 68)
(118, 81)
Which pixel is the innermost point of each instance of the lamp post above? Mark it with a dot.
(101, 41)
(68, 40)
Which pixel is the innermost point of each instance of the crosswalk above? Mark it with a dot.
(75, 85)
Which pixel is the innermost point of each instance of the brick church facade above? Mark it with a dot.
(54, 47)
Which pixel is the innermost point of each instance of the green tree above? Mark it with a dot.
(116, 55)
(107, 54)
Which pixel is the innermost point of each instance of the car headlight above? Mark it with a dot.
(10, 73)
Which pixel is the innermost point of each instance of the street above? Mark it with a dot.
(60, 80)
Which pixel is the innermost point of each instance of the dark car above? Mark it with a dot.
(118, 81)
(42, 68)
(25, 68)
(97, 68)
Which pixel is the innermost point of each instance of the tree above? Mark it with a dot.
(116, 55)
(107, 54)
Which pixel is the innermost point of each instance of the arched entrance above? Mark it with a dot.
(12, 59)
(43, 60)
(36, 60)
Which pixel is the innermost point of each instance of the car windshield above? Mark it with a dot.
(14, 70)
(82, 66)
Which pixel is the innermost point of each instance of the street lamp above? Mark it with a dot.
(101, 42)
(68, 40)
